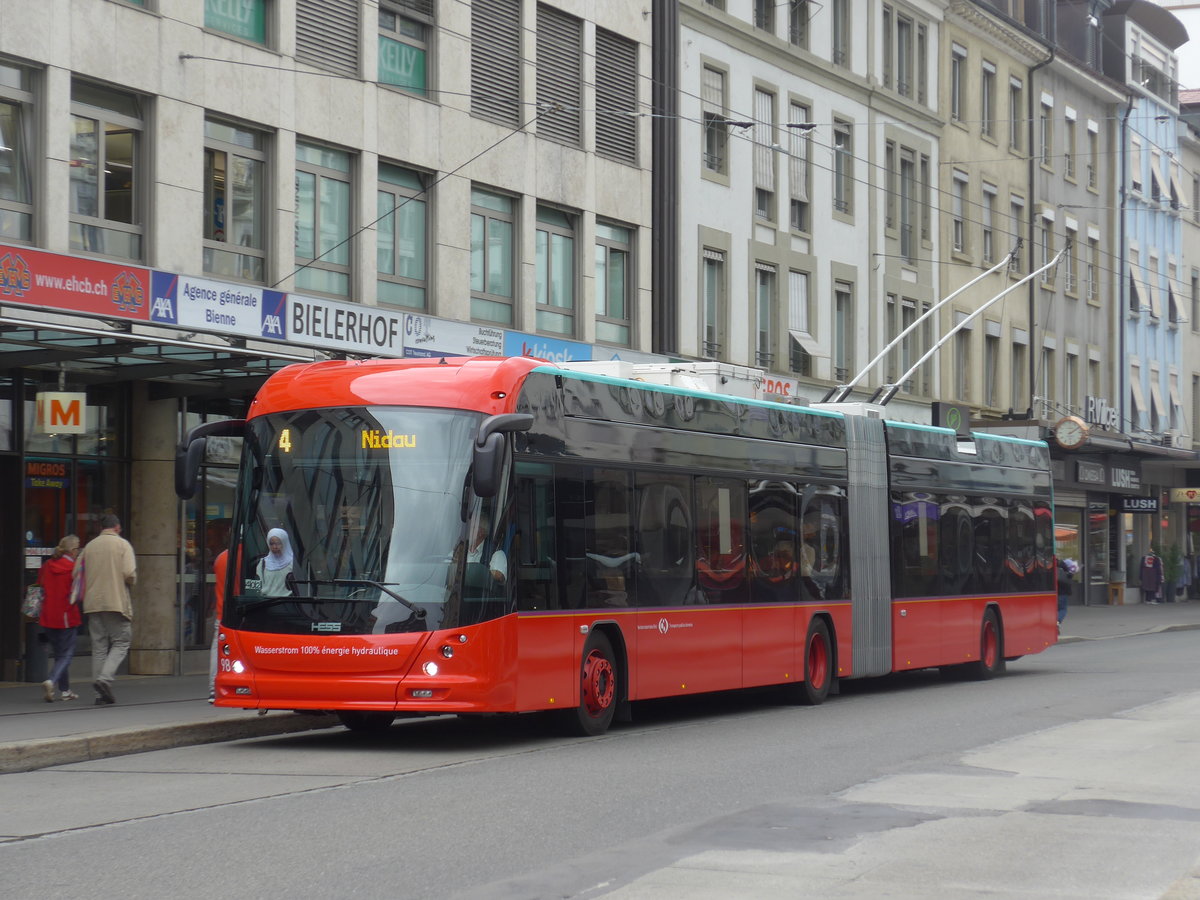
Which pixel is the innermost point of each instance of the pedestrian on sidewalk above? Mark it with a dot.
(107, 568)
(1066, 570)
(60, 617)
(220, 568)
(1151, 571)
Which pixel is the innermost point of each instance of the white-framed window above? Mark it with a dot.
(1016, 206)
(840, 32)
(908, 190)
(1046, 230)
(1072, 146)
(1046, 132)
(926, 188)
(890, 186)
(958, 211)
(1019, 373)
(712, 326)
(988, 215)
(1093, 270)
(401, 236)
(1016, 113)
(800, 323)
(323, 219)
(843, 168)
(799, 172)
(764, 154)
(1093, 168)
(987, 100)
(963, 361)
(899, 51)
(991, 366)
(1135, 164)
(766, 303)
(798, 16)
(17, 113)
(554, 271)
(958, 84)
(614, 283)
(1069, 260)
(764, 15)
(716, 128)
(235, 208)
(493, 257)
(843, 330)
(107, 171)
(406, 30)
(1070, 388)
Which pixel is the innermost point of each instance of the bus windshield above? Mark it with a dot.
(363, 521)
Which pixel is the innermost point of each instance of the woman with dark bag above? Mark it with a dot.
(60, 616)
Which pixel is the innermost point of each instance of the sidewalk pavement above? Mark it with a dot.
(160, 712)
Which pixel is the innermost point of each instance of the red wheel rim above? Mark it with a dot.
(991, 644)
(599, 683)
(818, 662)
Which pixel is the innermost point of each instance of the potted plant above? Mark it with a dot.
(1172, 557)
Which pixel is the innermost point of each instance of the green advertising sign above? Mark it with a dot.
(245, 19)
(402, 65)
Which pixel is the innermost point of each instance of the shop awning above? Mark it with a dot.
(91, 351)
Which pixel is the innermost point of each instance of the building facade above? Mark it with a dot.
(249, 184)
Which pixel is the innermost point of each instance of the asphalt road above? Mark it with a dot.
(1047, 782)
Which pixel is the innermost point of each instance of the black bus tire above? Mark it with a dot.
(366, 722)
(818, 665)
(599, 684)
(991, 649)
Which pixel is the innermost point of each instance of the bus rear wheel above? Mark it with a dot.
(818, 665)
(366, 722)
(598, 688)
(991, 649)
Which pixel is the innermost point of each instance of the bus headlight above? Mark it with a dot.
(447, 651)
(430, 668)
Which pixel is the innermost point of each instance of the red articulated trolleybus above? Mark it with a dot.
(487, 535)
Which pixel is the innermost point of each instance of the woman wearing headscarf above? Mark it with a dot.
(276, 566)
(60, 617)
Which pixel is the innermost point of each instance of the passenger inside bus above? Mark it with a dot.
(275, 569)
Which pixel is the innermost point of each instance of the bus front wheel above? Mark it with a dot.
(598, 688)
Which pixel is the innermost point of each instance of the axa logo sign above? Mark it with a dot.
(15, 278)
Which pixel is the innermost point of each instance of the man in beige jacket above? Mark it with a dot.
(106, 568)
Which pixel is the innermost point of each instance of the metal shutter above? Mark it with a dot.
(496, 60)
(559, 75)
(327, 34)
(616, 96)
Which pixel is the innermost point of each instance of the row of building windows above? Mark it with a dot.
(109, 177)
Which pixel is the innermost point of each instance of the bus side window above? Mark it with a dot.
(533, 557)
(666, 572)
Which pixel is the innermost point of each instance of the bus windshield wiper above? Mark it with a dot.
(417, 611)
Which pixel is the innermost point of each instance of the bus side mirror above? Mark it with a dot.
(489, 450)
(190, 454)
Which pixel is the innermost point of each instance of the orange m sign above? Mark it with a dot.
(61, 412)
